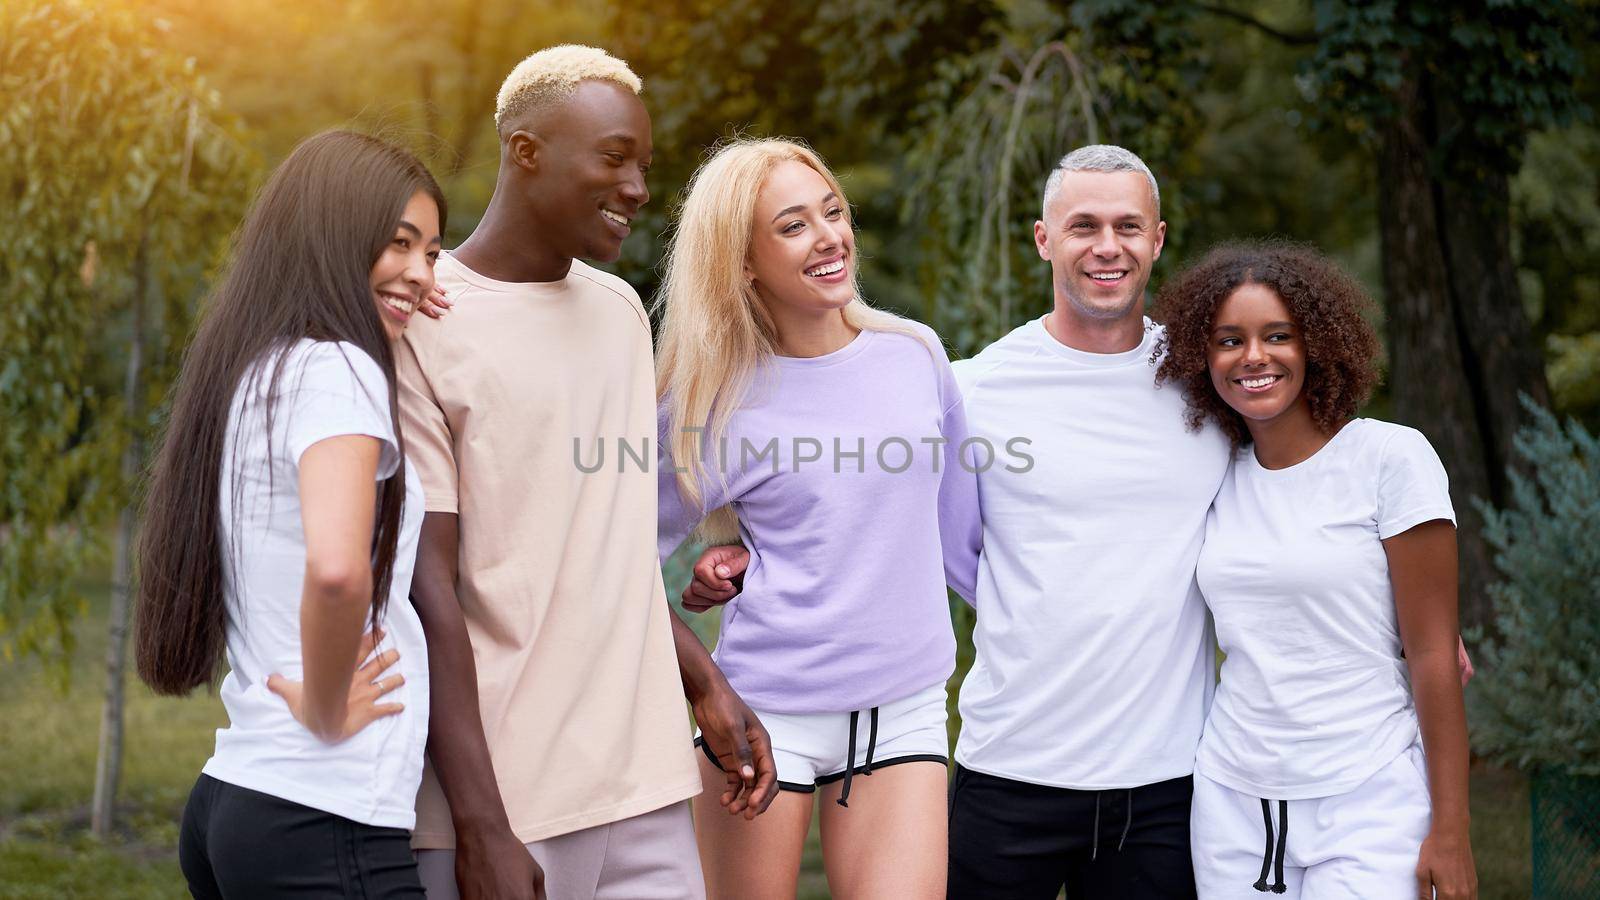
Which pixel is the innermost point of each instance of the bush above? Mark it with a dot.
(1537, 704)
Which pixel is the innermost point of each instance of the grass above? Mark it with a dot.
(47, 758)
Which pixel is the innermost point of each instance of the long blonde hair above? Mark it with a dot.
(715, 330)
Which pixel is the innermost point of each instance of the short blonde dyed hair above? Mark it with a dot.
(552, 74)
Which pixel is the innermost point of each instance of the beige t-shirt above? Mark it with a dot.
(559, 580)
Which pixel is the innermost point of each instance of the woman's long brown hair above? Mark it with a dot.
(301, 268)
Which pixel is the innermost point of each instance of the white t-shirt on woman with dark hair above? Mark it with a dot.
(325, 390)
(1315, 697)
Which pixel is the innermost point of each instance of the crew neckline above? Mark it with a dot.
(847, 352)
(1096, 360)
(1305, 464)
(479, 280)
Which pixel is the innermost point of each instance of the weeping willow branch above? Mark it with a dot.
(977, 163)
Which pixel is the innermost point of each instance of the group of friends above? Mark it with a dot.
(452, 668)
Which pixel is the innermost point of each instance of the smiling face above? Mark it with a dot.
(589, 158)
(802, 249)
(1257, 355)
(403, 274)
(1101, 234)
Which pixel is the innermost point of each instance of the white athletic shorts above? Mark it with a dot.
(1363, 843)
(811, 748)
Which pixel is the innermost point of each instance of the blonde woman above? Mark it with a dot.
(829, 436)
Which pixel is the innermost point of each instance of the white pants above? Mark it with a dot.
(1363, 843)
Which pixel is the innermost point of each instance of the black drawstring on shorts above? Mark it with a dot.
(850, 752)
(1272, 858)
(1127, 823)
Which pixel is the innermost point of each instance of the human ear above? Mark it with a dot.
(1041, 239)
(524, 147)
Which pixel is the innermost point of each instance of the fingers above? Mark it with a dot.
(699, 597)
(376, 666)
(735, 785)
(706, 575)
(369, 643)
(278, 685)
(435, 305)
(358, 719)
(1424, 884)
(1463, 661)
(742, 778)
(388, 683)
(729, 560)
(766, 783)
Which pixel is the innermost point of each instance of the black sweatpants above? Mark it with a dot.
(240, 844)
(1010, 839)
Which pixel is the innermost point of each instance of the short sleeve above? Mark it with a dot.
(427, 431)
(1412, 485)
(336, 389)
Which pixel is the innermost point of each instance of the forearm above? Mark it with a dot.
(456, 744)
(700, 674)
(1436, 687)
(332, 617)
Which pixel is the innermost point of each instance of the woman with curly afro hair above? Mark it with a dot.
(1329, 566)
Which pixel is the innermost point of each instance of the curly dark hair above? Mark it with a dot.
(1327, 304)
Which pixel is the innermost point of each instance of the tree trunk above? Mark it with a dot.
(1430, 354)
(1475, 217)
(108, 764)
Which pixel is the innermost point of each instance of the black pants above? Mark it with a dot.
(1011, 839)
(237, 843)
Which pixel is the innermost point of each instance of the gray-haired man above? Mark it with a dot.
(1084, 706)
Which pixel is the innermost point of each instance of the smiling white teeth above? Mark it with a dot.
(1260, 382)
(615, 217)
(398, 305)
(826, 269)
(1106, 276)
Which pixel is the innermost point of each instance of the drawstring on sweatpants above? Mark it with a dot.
(1272, 858)
(850, 752)
(1094, 841)
(1127, 824)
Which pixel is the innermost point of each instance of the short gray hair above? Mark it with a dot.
(1098, 158)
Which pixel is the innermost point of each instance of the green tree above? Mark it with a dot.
(124, 178)
(1540, 709)
(1446, 97)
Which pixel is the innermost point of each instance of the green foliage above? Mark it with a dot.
(121, 177)
(1556, 204)
(1506, 67)
(1537, 704)
(842, 75)
(991, 125)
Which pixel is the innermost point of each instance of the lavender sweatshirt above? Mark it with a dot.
(844, 473)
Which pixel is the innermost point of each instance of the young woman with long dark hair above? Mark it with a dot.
(1329, 566)
(280, 528)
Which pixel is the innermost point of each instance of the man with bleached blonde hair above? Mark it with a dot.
(559, 754)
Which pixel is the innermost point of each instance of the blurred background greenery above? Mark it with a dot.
(1447, 154)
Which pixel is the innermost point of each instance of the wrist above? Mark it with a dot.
(327, 722)
(479, 828)
(701, 679)
(1451, 830)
